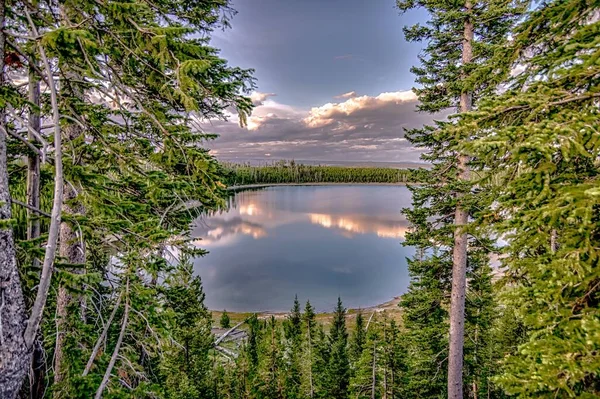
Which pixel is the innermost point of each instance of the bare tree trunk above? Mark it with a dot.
(459, 267)
(38, 365)
(14, 361)
(33, 163)
(53, 231)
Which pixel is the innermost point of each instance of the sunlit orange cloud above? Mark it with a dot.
(360, 225)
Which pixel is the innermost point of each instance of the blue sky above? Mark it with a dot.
(308, 51)
(333, 81)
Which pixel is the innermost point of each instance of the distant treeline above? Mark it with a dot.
(292, 172)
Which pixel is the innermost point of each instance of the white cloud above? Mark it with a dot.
(327, 114)
(367, 128)
(258, 98)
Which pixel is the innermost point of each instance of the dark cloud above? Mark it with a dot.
(361, 128)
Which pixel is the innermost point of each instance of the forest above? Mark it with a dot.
(292, 172)
(104, 165)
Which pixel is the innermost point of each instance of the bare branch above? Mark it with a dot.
(101, 338)
(23, 139)
(113, 358)
(31, 208)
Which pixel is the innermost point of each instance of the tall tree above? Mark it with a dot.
(457, 34)
(338, 368)
(12, 312)
(135, 170)
(293, 348)
(542, 159)
(308, 363)
(359, 337)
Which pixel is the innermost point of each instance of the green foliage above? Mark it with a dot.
(446, 79)
(541, 158)
(359, 337)
(292, 172)
(338, 371)
(224, 321)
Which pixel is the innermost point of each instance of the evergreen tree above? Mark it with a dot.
(366, 381)
(460, 36)
(269, 384)
(309, 350)
(359, 337)
(293, 335)
(135, 163)
(186, 365)
(224, 321)
(541, 158)
(395, 362)
(338, 368)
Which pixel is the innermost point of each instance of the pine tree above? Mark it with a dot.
(367, 379)
(359, 336)
(292, 368)
(459, 36)
(338, 368)
(395, 361)
(186, 365)
(137, 161)
(269, 384)
(224, 321)
(309, 350)
(541, 158)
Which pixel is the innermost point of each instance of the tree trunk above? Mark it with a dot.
(72, 247)
(459, 267)
(33, 164)
(14, 361)
(72, 250)
(37, 385)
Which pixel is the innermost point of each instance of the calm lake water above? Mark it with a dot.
(314, 241)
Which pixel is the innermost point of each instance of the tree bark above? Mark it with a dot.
(37, 310)
(38, 365)
(33, 164)
(72, 248)
(14, 361)
(459, 258)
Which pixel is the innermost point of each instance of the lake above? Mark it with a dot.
(314, 241)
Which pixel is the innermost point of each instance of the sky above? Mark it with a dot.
(333, 81)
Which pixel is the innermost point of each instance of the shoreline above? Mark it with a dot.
(262, 185)
(390, 306)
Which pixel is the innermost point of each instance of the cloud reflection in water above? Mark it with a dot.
(316, 241)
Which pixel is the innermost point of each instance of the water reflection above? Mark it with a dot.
(314, 241)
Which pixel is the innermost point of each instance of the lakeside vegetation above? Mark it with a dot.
(100, 160)
(292, 172)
